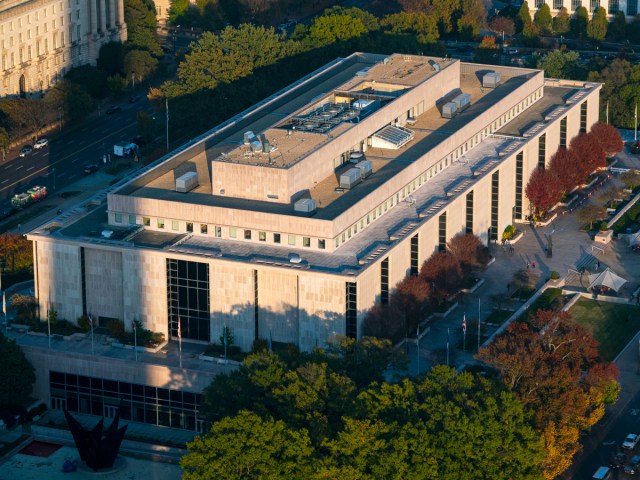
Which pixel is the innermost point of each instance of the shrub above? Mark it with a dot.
(554, 275)
(259, 345)
(508, 232)
(83, 323)
(116, 329)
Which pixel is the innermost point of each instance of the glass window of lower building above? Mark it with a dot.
(161, 223)
(175, 225)
(132, 219)
(232, 233)
(306, 242)
(247, 234)
(262, 236)
(276, 238)
(292, 240)
(189, 227)
(137, 403)
(321, 244)
(146, 221)
(218, 232)
(203, 228)
(118, 218)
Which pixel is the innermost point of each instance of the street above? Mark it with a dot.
(62, 161)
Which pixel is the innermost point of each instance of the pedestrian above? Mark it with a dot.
(528, 265)
(597, 266)
(533, 264)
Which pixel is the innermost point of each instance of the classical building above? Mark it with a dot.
(289, 221)
(628, 7)
(40, 40)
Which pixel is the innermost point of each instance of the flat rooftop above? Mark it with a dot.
(429, 130)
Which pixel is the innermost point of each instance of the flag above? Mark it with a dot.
(447, 337)
(224, 335)
(133, 325)
(179, 332)
(91, 319)
(4, 304)
(464, 324)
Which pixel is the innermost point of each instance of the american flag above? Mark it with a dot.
(179, 333)
(464, 324)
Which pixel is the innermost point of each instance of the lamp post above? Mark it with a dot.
(53, 174)
(166, 105)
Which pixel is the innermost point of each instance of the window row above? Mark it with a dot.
(218, 231)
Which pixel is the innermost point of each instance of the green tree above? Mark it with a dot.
(543, 20)
(562, 21)
(111, 58)
(328, 29)
(17, 375)
(370, 22)
(71, 100)
(472, 18)
(597, 27)
(618, 27)
(425, 26)
(523, 18)
(94, 81)
(25, 306)
(560, 64)
(141, 63)
(5, 141)
(247, 446)
(146, 126)
(579, 22)
(141, 22)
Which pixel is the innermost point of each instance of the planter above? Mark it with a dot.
(140, 348)
(516, 238)
(444, 314)
(548, 221)
(37, 334)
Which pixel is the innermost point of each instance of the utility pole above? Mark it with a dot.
(166, 105)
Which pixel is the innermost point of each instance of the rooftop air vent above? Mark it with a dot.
(294, 258)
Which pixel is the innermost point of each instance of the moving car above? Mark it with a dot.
(91, 168)
(26, 150)
(632, 467)
(631, 441)
(43, 142)
(114, 109)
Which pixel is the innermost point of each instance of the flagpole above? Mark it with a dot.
(607, 112)
(224, 340)
(478, 324)
(91, 321)
(49, 321)
(4, 311)
(635, 125)
(180, 341)
(135, 338)
(464, 337)
(447, 347)
(418, 345)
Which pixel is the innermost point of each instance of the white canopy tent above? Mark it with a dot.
(607, 279)
(634, 238)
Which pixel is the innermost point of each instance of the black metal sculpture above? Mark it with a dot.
(96, 449)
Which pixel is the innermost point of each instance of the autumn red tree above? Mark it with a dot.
(385, 321)
(16, 253)
(412, 298)
(552, 365)
(564, 166)
(589, 152)
(469, 250)
(543, 191)
(443, 272)
(608, 137)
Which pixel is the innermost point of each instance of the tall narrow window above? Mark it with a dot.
(84, 281)
(351, 313)
(583, 117)
(415, 261)
(563, 133)
(384, 281)
(188, 299)
(256, 305)
(495, 189)
(469, 223)
(517, 211)
(632, 8)
(614, 6)
(442, 232)
(542, 151)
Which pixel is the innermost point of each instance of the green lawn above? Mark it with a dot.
(613, 325)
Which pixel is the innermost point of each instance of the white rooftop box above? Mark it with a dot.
(187, 182)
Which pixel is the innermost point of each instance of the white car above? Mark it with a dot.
(43, 142)
(631, 441)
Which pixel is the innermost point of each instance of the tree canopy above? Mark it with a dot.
(17, 374)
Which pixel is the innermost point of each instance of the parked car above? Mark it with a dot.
(91, 168)
(635, 147)
(632, 467)
(631, 441)
(6, 213)
(134, 98)
(43, 142)
(26, 150)
(618, 460)
(113, 109)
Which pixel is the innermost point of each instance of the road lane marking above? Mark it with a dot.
(114, 132)
(5, 181)
(19, 167)
(31, 168)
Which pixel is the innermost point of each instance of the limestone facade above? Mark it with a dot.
(628, 7)
(40, 40)
(260, 269)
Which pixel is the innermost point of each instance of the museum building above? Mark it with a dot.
(290, 220)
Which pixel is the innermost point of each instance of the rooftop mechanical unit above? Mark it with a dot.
(305, 205)
(350, 178)
(491, 80)
(355, 157)
(365, 167)
(449, 110)
(187, 182)
(462, 101)
(249, 137)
